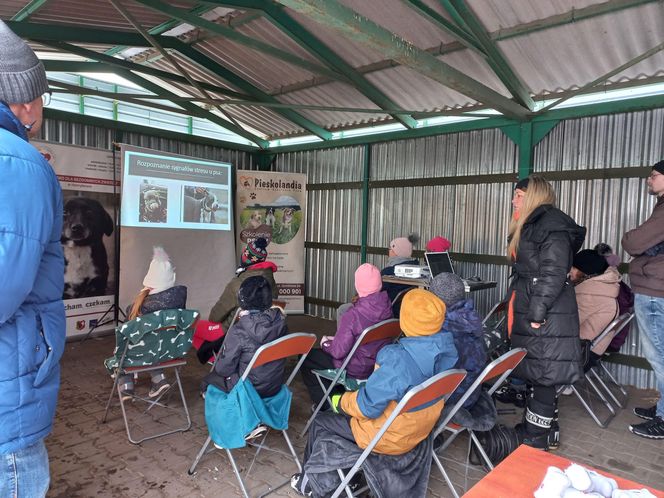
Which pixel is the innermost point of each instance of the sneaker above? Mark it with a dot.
(300, 484)
(508, 395)
(568, 391)
(158, 388)
(651, 429)
(259, 430)
(646, 413)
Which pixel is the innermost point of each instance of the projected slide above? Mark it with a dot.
(161, 191)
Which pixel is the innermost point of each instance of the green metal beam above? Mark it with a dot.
(164, 26)
(526, 150)
(71, 117)
(347, 22)
(366, 176)
(495, 57)
(108, 64)
(631, 105)
(194, 109)
(256, 93)
(324, 53)
(28, 10)
(62, 33)
(238, 37)
(465, 38)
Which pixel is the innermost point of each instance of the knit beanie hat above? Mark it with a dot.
(367, 280)
(449, 288)
(659, 167)
(161, 275)
(22, 75)
(255, 294)
(422, 313)
(438, 244)
(590, 262)
(403, 246)
(522, 184)
(255, 252)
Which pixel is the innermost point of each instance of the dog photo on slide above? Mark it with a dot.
(204, 205)
(85, 224)
(153, 203)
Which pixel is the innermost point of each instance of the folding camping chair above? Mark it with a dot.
(387, 329)
(282, 348)
(499, 369)
(158, 340)
(593, 379)
(437, 387)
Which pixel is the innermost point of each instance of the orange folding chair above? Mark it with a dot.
(499, 369)
(437, 387)
(387, 329)
(290, 345)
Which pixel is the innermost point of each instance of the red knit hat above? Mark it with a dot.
(438, 244)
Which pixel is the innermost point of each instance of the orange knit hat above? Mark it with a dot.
(422, 313)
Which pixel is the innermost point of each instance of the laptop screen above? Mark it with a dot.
(439, 262)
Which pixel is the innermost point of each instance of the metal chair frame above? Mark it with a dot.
(387, 329)
(120, 370)
(595, 381)
(437, 387)
(499, 369)
(298, 344)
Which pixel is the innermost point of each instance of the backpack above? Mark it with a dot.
(625, 305)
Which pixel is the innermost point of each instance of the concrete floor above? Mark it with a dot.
(90, 459)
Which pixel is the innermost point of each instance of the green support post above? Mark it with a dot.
(526, 149)
(365, 202)
(81, 98)
(115, 104)
(263, 160)
(190, 125)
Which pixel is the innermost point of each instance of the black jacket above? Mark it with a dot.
(544, 294)
(242, 340)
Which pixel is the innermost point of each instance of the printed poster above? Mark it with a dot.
(272, 205)
(88, 233)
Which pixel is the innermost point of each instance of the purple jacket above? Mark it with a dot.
(367, 311)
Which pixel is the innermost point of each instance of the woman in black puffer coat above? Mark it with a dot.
(543, 316)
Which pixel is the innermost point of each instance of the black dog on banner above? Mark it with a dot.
(86, 261)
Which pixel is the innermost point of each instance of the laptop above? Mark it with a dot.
(439, 262)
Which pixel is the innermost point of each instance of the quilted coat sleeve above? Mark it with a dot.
(231, 352)
(344, 339)
(554, 263)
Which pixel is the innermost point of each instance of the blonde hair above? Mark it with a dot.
(538, 193)
(138, 302)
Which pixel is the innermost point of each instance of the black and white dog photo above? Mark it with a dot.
(152, 208)
(199, 207)
(269, 217)
(86, 261)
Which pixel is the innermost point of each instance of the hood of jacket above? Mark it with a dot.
(264, 326)
(11, 123)
(605, 285)
(430, 354)
(373, 307)
(548, 218)
(462, 317)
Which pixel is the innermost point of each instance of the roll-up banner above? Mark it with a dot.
(272, 206)
(88, 232)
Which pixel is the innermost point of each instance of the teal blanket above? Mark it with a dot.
(231, 416)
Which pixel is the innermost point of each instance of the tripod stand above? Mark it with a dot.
(113, 308)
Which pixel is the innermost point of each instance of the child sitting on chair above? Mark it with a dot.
(371, 307)
(253, 262)
(159, 293)
(358, 416)
(259, 323)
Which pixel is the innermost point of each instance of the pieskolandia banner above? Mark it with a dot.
(272, 205)
(88, 232)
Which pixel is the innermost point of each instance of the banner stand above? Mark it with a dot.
(114, 307)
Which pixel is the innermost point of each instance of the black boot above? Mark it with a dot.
(537, 425)
(554, 435)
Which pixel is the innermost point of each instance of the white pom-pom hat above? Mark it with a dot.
(161, 275)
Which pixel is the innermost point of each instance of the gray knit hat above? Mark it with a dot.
(448, 287)
(22, 75)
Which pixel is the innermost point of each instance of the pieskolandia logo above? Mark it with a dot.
(271, 184)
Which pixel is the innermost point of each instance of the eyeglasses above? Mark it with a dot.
(654, 175)
(46, 98)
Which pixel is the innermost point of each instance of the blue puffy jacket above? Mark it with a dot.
(32, 315)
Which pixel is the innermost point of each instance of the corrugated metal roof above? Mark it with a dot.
(553, 46)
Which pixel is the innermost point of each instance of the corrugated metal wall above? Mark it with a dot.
(65, 132)
(473, 215)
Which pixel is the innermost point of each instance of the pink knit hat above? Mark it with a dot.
(438, 244)
(367, 280)
(403, 246)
